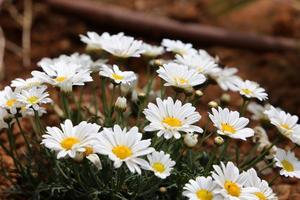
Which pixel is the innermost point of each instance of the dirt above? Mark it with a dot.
(56, 33)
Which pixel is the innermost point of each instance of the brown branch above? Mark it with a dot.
(26, 36)
(2, 48)
(14, 13)
(126, 20)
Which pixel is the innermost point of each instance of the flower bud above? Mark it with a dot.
(219, 140)
(198, 93)
(213, 104)
(225, 98)
(163, 189)
(190, 139)
(141, 96)
(121, 104)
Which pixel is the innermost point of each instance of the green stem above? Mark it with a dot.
(65, 103)
(23, 134)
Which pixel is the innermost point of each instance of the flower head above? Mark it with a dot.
(124, 146)
(251, 89)
(34, 97)
(8, 100)
(178, 47)
(161, 164)
(289, 164)
(152, 50)
(118, 76)
(169, 118)
(258, 111)
(180, 76)
(201, 64)
(21, 84)
(226, 78)
(123, 46)
(264, 192)
(232, 183)
(203, 188)
(286, 123)
(71, 140)
(230, 123)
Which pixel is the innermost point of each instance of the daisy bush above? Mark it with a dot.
(95, 126)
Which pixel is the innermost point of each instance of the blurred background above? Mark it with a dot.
(260, 37)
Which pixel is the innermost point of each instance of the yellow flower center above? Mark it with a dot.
(247, 91)
(122, 151)
(260, 196)
(172, 121)
(285, 126)
(181, 81)
(68, 142)
(227, 128)
(33, 99)
(158, 166)
(11, 102)
(200, 69)
(287, 166)
(60, 79)
(204, 194)
(117, 77)
(88, 151)
(232, 188)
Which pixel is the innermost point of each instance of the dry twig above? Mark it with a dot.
(2, 48)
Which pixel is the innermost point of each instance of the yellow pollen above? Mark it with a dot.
(60, 79)
(158, 166)
(200, 69)
(227, 128)
(122, 151)
(68, 142)
(88, 151)
(232, 188)
(172, 121)
(11, 102)
(260, 196)
(204, 194)
(117, 77)
(287, 166)
(33, 99)
(247, 91)
(285, 126)
(181, 81)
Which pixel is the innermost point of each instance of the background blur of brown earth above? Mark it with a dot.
(56, 33)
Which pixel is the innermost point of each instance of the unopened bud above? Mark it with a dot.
(213, 104)
(225, 98)
(121, 104)
(141, 96)
(163, 189)
(190, 139)
(199, 93)
(219, 140)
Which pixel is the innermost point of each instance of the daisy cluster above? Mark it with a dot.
(147, 142)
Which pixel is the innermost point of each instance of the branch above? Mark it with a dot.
(2, 48)
(126, 20)
(26, 36)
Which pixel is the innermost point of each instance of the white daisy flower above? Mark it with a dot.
(118, 76)
(124, 146)
(251, 89)
(289, 164)
(203, 188)
(95, 41)
(265, 191)
(230, 123)
(258, 111)
(170, 118)
(272, 112)
(161, 164)
(123, 46)
(34, 97)
(63, 74)
(232, 183)
(285, 123)
(200, 63)
(21, 84)
(178, 47)
(226, 78)
(8, 100)
(206, 55)
(152, 50)
(180, 76)
(30, 112)
(71, 140)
